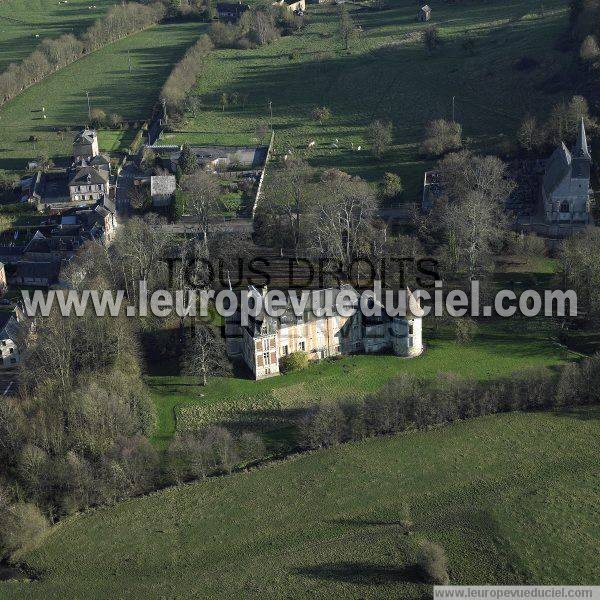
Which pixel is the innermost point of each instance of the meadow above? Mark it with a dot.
(512, 499)
(388, 74)
(273, 404)
(111, 85)
(25, 23)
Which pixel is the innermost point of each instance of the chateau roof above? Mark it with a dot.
(320, 302)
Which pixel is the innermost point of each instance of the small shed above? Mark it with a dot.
(424, 13)
(162, 188)
(230, 11)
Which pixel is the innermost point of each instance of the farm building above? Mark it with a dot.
(295, 6)
(424, 13)
(231, 11)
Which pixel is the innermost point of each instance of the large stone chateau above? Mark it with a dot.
(265, 339)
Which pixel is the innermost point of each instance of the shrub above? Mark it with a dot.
(321, 114)
(322, 426)
(354, 420)
(21, 526)
(97, 117)
(433, 563)
(431, 38)
(391, 186)
(589, 51)
(296, 361)
(379, 135)
(465, 330)
(441, 137)
(250, 446)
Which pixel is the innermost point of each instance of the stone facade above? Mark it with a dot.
(566, 183)
(85, 145)
(265, 340)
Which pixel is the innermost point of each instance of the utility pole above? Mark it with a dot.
(164, 104)
(89, 108)
(129, 60)
(271, 112)
(453, 103)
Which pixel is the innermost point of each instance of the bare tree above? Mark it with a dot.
(342, 216)
(205, 354)
(202, 195)
(346, 26)
(140, 245)
(380, 136)
(473, 218)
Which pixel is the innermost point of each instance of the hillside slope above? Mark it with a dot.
(512, 498)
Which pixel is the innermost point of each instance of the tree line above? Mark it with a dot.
(54, 54)
(409, 403)
(185, 73)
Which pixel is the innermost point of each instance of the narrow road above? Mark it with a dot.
(124, 183)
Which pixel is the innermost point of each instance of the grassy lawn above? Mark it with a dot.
(270, 404)
(112, 87)
(115, 140)
(22, 20)
(388, 75)
(512, 499)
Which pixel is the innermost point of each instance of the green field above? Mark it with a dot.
(112, 87)
(22, 20)
(498, 349)
(116, 139)
(512, 499)
(388, 75)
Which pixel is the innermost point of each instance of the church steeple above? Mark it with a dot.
(581, 147)
(582, 159)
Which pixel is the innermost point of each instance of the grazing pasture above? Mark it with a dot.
(25, 23)
(388, 74)
(512, 498)
(111, 85)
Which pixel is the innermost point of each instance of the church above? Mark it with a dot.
(566, 183)
(265, 339)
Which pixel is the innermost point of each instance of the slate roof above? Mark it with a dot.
(9, 326)
(319, 302)
(558, 167)
(39, 270)
(89, 175)
(582, 159)
(85, 137)
(232, 7)
(11, 252)
(40, 244)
